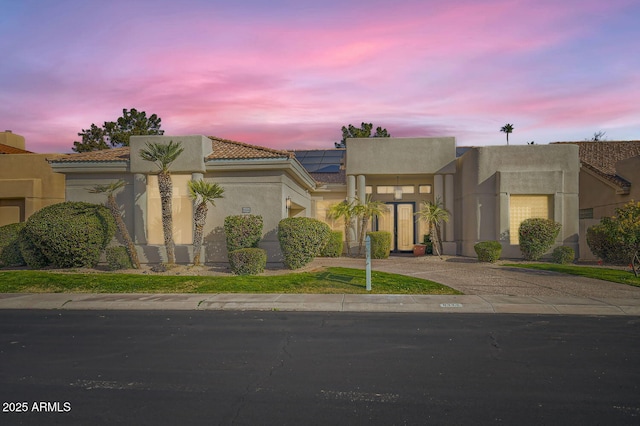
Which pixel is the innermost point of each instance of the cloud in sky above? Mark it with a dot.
(290, 73)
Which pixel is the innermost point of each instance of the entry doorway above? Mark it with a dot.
(399, 220)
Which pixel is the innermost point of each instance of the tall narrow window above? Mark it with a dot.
(523, 207)
(182, 209)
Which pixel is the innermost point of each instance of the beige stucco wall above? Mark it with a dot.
(9, 138)
(28, 177)
(393, 156)
(487, 176)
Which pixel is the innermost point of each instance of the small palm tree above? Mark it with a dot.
(164, 156)
(366, 212)
(110, 189)
(346, 210)
(434, 214)
(507, 128)
(202, 193)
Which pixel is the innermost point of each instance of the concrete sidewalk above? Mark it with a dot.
(487, 288)
(491, 304)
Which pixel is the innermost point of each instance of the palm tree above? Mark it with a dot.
(366, 212)
(345, 211)
(110, 189)
(163, 156)
(434, 213)
(202, 193)
(507, 128)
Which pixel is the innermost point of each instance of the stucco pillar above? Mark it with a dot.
(139, 208)
(448, 204)
(197, 176)
(362, 189)
(438, 188)
(351, 197)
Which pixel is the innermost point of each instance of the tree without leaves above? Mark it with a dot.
(110, 189)
(202, 193)
(114, 134)
(163, 156)
(507, 128)
(364, 131)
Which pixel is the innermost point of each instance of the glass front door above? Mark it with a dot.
(400, 222)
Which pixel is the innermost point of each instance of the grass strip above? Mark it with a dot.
(606, 274)
(326, 281)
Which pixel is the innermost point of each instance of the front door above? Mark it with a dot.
(400, 222)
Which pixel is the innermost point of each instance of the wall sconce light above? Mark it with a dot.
(288, 203)
(397, 191)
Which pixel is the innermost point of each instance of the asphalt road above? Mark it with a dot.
(295, 368)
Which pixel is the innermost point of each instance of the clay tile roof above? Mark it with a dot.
(330, 178)
(8, 149)
(601, 157)
(105, 155)
(224, 149)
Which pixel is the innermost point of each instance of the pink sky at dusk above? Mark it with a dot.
(290, 73)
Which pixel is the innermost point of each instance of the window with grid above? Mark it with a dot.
(523, 207)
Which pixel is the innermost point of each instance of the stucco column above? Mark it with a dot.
(351, 197)
(438, 188)
(448, 204)
(362, 189)
(197, 176)
(139, 203)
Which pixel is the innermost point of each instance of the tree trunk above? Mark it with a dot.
(165, 187)
(347, 235)
(122, 228)
(363, 230)
(199, 219)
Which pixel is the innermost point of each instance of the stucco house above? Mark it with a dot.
(609, 178)
(487, 190)
(27, 182)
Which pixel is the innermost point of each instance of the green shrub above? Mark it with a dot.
(334, 246)
(605, 241)
(426, 240)
(248, 261)
(488, 251)
(563, 255)
(536, 236)
(70, 234)
(242, 231)
(301, 240)
(118, 258)
(380, 243)
(10, 245)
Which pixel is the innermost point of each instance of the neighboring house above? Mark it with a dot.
(609, 178)
(487, 190)
(27, 182)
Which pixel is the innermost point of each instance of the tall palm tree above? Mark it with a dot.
(110, 189)
(345, 210)
(434, 214)
(164, 156)
(202, 193)
(365, 212)
(507, 128)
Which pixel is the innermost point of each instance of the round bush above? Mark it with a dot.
(334, 246)
(301, 240)
(604, 241)
(380, 244)
(488, 251)
(118, 258)
(248, 261)
(537, 236)
(563, 255)
(242, 231)
(10, 245)
(70, 234)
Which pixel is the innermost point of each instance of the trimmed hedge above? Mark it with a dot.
(242, 231)
(536, 236)
(380, 243)
(118, 258)
(563, 255)
(301, 240)
(248, 261)
(488, 251)
(334, 246)
(66, 235)
(10, 245)
(604, 241)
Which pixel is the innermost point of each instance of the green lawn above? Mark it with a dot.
(597, 272)
(329, 280)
